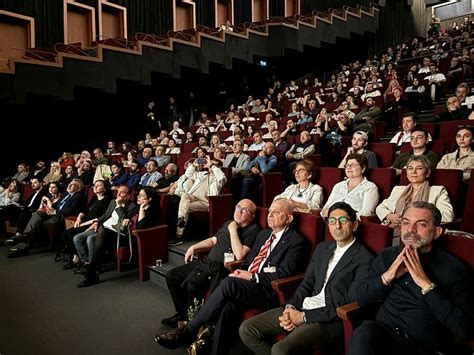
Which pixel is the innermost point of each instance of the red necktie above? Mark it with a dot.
(400, 137)
(255, 266)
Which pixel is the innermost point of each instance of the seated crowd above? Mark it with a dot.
(90, 202)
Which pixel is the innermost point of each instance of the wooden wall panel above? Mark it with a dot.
(260, 10)
(224, 12)
(17, 32)
(184, 15)
(292, 7)
(79, 23)
(112, 20)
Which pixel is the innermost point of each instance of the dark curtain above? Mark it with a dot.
(205, 13)
(148, 16)
(242, 11)
(48, 15)
(276, 8)
(395, 25)
(307, 6)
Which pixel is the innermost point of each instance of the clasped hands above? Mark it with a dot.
(290, 319)
(407, 261)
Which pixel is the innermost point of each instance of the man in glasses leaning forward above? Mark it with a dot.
(233, 241)
(309, 318)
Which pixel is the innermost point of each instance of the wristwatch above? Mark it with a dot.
(253, 278)
(428, 289)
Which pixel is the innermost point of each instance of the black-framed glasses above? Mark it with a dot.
(342, 220)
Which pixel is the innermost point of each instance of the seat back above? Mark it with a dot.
(459, 246)
(384, 178)
(385, 153)
(327, 178)
(447, 132)
(467, 223)
(310, 226)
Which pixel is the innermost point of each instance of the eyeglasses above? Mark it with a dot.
(241, 209)
(353, 165)
(342, 220)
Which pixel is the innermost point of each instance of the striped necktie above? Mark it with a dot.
(255, 266)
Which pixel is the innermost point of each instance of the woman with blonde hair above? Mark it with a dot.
(54, 174)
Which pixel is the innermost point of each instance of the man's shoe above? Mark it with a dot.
(19, 246)
(72, 265)
(16, 239)
(172, 321)
(181, 222)
(19, 253)
(88, 281)
(180, 337)
(175, 241)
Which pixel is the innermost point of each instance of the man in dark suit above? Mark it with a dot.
(309, 318)
(278, 252)
(117, 216)
(424, 294)
(20, 214)
(70, 203)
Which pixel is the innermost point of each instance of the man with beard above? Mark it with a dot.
(425, 293)
(170, 176)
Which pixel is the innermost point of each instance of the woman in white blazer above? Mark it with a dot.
(418, 170)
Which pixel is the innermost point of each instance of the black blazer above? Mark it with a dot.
(72, 206)
(341, 287)
(126, 212)
(289, 257)
(37, 202)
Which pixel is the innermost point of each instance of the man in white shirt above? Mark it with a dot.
(258, 142)
(309, 319)
(208, 182)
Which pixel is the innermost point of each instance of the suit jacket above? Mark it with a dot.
(241, 162)
(37, 201)
(72, 206)
(126, 212)
(438, 196)
(342, 284)
(289, 257)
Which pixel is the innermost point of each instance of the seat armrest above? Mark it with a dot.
(152, 244)
(350, 315)
(69, 221)
(233, 265)
(348, 311)
(201, 252)
(286, 287)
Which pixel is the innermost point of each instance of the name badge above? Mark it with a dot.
(229, 257)
(270, 269)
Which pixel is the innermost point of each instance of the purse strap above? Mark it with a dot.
(128, 233)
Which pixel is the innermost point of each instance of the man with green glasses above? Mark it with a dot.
(309, 318)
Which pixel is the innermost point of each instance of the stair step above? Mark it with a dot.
(158, 274)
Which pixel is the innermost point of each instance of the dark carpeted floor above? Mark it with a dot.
(42, 311)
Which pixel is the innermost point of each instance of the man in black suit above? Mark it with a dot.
(20, 214)
(278, 252)
(424, 294)
(309, 318)
(70, 203)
